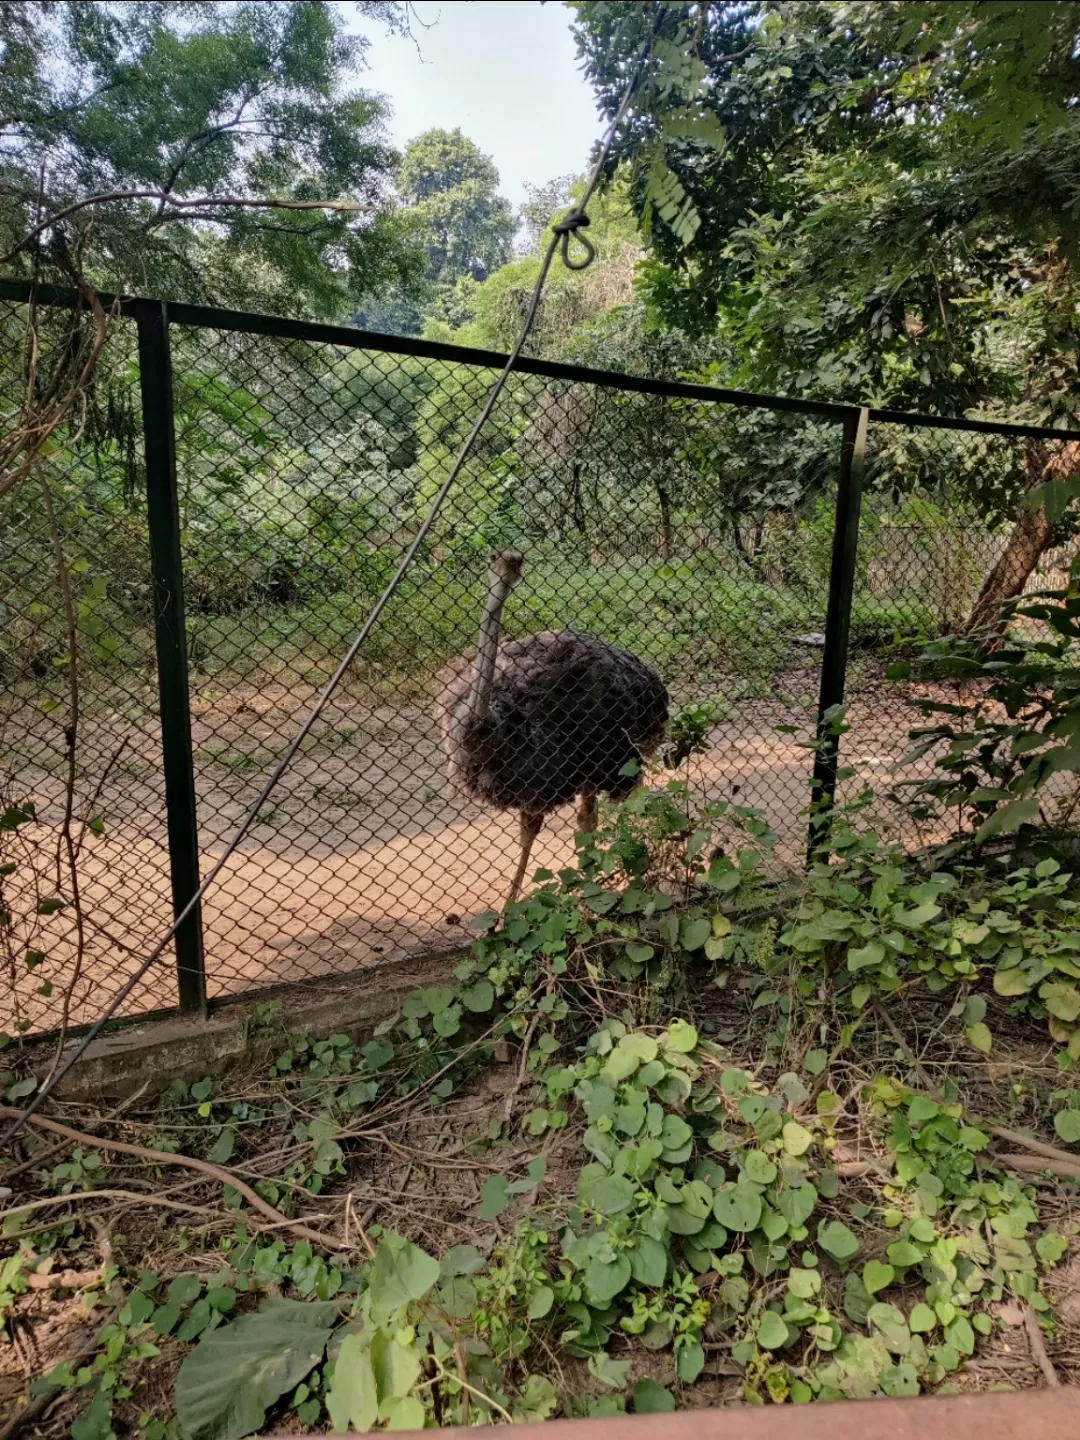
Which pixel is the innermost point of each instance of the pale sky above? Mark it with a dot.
(505, 71)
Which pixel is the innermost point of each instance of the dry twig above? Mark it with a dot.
(65, 1279)
(205, 1167)
(46, 1202)
(33, 1408)
(519, 1078)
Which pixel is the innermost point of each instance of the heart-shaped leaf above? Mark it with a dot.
(837, 1240)
(876, 1275)
(738, 1208)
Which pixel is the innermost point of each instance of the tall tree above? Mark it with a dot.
(175, 147)
(452, 188)
(462, 228)
(490, 314)
(543, 202)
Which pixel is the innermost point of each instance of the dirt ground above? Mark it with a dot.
(424, 1180)
(363, 854)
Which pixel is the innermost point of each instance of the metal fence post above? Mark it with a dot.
(834, 657)
(166, 561)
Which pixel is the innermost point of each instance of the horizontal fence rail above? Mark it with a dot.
(233, 498)
(245, 322)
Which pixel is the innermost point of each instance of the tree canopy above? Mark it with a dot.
(867, 196)
(147, 159)
(489, 315)
(463, 227)
(873, 203)
(452, 187)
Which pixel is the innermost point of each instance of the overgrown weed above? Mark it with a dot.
(707, 1140)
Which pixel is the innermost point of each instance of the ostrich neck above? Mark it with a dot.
(487, 650)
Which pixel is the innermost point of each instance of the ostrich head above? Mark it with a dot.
(504, 574)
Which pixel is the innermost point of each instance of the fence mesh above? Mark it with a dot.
(81, 789)
(304, 471)
(939, 539)
(691, 536)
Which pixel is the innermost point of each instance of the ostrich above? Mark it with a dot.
(532, 723)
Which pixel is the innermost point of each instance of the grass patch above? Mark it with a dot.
(678, 617)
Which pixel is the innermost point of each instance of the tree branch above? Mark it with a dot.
(198, 142)
(202, 202)
(38, 423)
(1038, 1348)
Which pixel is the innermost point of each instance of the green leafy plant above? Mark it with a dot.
(878, 922)
(695, 1194)
(997, 753)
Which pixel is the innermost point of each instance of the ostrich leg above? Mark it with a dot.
(586, 811)
(530, 828)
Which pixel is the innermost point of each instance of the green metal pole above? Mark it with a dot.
(834, 657)
(166, 562)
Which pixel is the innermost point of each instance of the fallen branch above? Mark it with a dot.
(1038, 1348)
(360, 1222)
(42, 1155)
(204, 1167)
(48, 1201)
(1040, 1147)
(65, 1279)
(1035, 1164)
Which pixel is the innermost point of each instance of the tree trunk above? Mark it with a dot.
(577, 500)
(667, 533)
(1031, 537)
(741, 548)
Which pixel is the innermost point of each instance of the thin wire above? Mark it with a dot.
(561, 234)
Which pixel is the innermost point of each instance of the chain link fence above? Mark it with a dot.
(84, 852)
(944, 536)
(222, 549)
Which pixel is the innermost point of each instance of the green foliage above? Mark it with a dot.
(691, 1196)
(489, 315)
(688, 1167)
(1001, 749)
(460, 225)
(235, 1373)
(875, 921)
(252, 100)
(102, 1382)
(451, 189)
(689, 730)
(787, 163)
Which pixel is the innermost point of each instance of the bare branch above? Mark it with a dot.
(202, 202)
